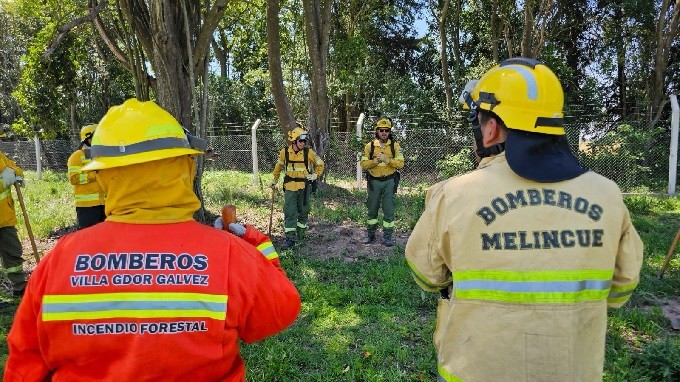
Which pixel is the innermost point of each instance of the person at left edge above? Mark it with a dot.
(10, 246)
(89, 195)
(149, 294)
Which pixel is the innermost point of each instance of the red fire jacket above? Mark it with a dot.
(135, 302)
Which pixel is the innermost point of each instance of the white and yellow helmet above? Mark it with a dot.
(297, 133)
(524, 93)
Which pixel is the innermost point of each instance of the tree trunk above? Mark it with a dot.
(443, 56)
(317, 26)
(666, 33)
(495, 33)
(283, 108)
(527, 33)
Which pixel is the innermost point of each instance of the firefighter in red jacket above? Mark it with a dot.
(149, 294)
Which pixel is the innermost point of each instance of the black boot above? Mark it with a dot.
(369, 237)
(388, 241)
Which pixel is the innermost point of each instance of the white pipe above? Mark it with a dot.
(253, 140)
(673, 155)
(38, 162)
(360, 124)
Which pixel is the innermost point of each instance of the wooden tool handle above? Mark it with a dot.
(228, 215)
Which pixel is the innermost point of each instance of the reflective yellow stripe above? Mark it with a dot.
(74, 168)
(372, 221)
(17, 269)
(4, 194)
(302, 225)
(82, 178)
(444, 376)
(87, 197)
(555, 287)
(423, 282)
(387, 224)
(268, 250)
(620, 293)
(288, 229)
(133, 305)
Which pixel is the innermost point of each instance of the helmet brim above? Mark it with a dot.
(541, 157)
(126, 160)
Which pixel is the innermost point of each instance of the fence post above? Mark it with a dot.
(360, 124)
(38, 162)
(253, 139)
(673, 155)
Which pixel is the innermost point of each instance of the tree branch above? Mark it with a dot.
(64, 29)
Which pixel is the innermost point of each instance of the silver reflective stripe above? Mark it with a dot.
(613, 294)
(133, 305)
(534, 286)
(532, 87)
(140, 147)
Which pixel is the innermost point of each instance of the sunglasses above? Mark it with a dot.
(302, 140)
(384, 130)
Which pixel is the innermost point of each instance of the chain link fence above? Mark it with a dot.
(427, 142)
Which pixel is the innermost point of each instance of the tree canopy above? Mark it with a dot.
(63, 63)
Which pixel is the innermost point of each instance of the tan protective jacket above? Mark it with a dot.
(87, 191)
(295, 168)
(7, 214)
(380, 169)
(530, 269)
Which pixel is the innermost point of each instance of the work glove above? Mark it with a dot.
(20, 180)
(8, 177)
(312, 176)
(383, 158)
(235, 228)
(246, 232)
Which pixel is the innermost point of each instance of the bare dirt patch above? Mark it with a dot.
(343, 241)
(671, 310)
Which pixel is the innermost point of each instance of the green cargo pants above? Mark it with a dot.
(10, 252)
(381, 192)
(296, 212)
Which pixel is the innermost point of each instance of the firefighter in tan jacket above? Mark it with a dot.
(89, 195)
(529, 250)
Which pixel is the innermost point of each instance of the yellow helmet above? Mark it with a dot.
(138, 132)
(297, 133)
(383, 123)
(525, 94)
(87, 131)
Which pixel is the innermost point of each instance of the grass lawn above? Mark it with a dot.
(363, 318)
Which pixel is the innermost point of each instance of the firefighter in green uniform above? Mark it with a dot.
(302, 167)
(382, 158)
(10, 246)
